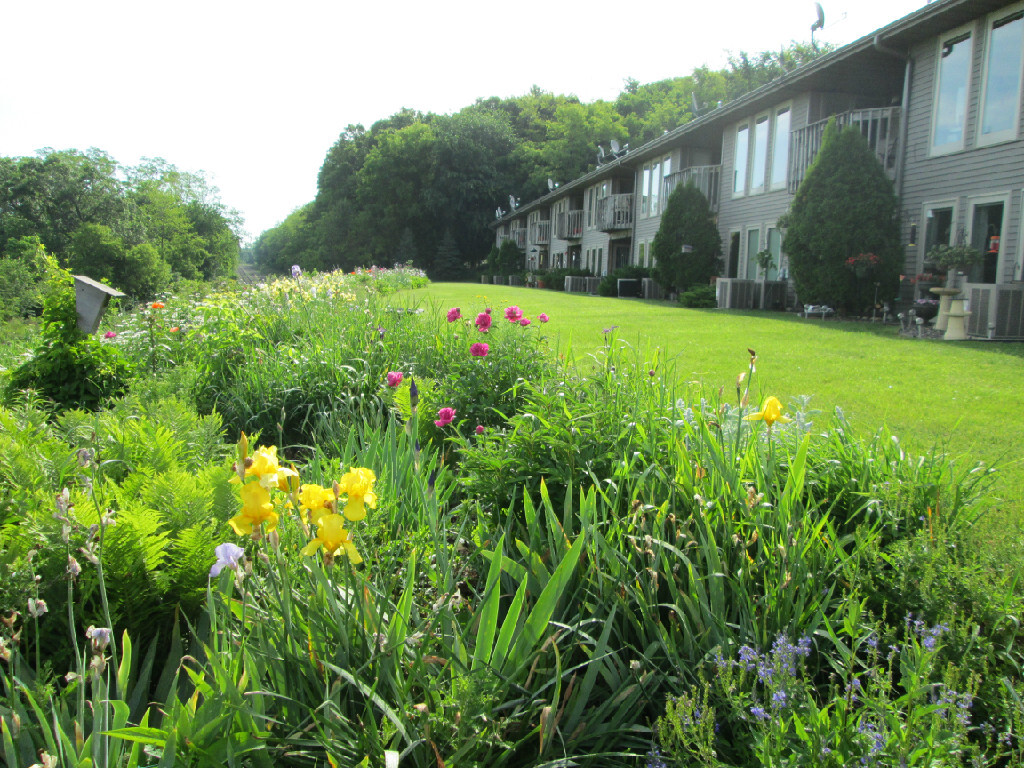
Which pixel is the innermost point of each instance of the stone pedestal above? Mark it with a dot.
(957, 316)
(945, 297)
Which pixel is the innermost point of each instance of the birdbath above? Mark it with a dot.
(945, 295)
(957, 317)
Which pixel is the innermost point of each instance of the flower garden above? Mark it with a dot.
(301, 525)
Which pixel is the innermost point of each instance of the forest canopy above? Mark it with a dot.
(390, 193)
(139, 228)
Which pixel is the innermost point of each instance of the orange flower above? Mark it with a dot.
(174, 329)
(157, 305)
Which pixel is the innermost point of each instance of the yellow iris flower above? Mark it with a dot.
(332, 535)
(770, 412)
(357, 485)
(256, 510)
(264, 464)
(316, 500)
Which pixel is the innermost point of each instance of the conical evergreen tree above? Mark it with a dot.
(448, 264)
(845, 207)
(686, 221)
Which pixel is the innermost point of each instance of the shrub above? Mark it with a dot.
(845, 207)
(686, 221)
(699, 297)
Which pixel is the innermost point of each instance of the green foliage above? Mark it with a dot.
(699, 297)
(448, 266)
(845, 206)
(69, 368)
(686, 221)
(508, 259)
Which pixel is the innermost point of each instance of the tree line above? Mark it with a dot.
(422, 187)
(139, 228)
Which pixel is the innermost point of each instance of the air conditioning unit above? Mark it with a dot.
(736, 293)
(997, 311)
(651, 289)
(773, 294)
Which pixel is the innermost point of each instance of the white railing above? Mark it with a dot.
(540, 232)
(705, 177)
(615, 212)
(881, 128)
(569, 226)
(518, 236)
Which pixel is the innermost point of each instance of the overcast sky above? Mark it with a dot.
(254, 94)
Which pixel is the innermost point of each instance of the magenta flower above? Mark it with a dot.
(394, 378)
(513, 314)
(524, 322)
(479, 349)
(109, 335)
(487, 311)
(445, 416)
(479, 429)
(543, 318)
(483, 322)
(454, 314)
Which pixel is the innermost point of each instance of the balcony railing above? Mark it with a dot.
(518, 236)
(881, 128)
(569, 226)
(540, 232)
(615, 212)
(705, 177)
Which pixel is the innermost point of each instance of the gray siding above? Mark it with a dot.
(973, 172)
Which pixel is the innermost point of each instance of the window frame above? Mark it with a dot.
(1009, 134)
(784, 184)
(764, 118)
(969, 31)
(973, 201)
(742, 191)
(935, 205)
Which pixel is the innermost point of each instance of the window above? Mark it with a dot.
(775, 249)
(645, 199)
(759, 164)
(666, 171)
(938, 227)
(753, 242)
(953, 78)
(986, 236)
(739, 165)
(780, 149)
(641, 255)
(1000, 105)
(655, 189)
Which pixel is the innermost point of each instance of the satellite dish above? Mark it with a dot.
(819, 23)
(694, 104)
(551, 185)
(512, 202)
(615, 147)
(600, 154)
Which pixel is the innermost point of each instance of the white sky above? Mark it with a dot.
(254, 93)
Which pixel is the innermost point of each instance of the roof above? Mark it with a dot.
(868, 63)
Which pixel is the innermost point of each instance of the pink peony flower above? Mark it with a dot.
(109, 335)
(479, 349)
(513, 314)
(543, 318)
(394, 378)
(454, 314)
(445, 416)
(487, 311)
(479, 429)
(524, 322)
(483, 322)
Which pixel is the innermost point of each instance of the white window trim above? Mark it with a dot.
(746, 173)
(947, 149)
(931, 205)
(787, 107)
(1010, 134)
(782, 268)
(994, 197)
(752, 152)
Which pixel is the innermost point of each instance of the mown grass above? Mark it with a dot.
(957, 397)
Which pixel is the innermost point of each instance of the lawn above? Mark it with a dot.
(957, 396)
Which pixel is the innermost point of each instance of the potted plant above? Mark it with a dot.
(954, 259)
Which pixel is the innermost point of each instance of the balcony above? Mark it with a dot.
(705, 177)
(569, 226)
(540, 232)
(518, 236)
(881, 127)
(615, 212)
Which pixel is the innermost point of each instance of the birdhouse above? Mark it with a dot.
(91, 300)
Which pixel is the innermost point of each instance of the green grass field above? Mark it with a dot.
(958, 397)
